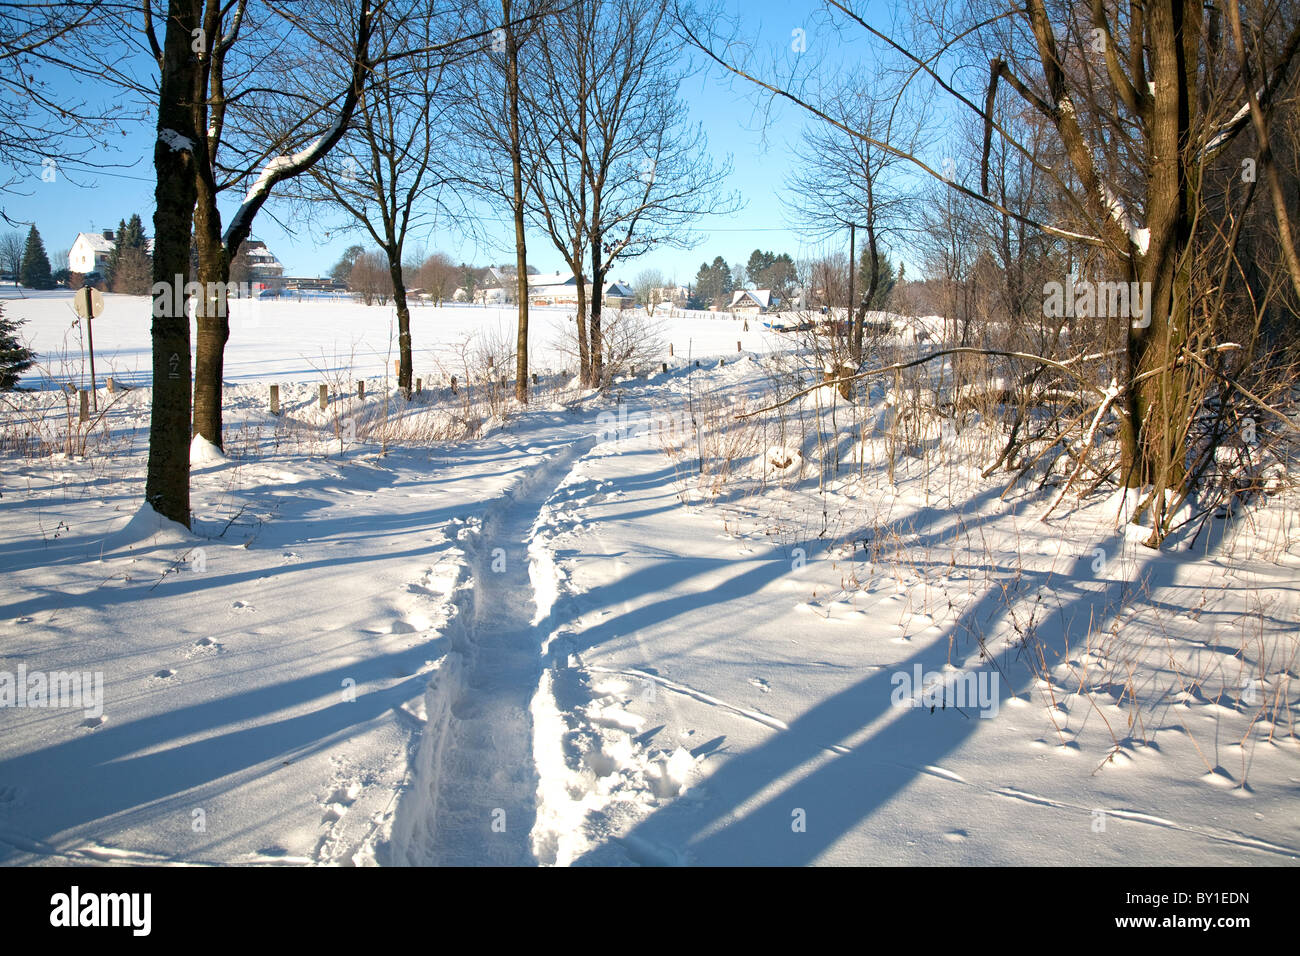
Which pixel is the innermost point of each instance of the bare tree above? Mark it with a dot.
(843, 181)
(649, 289)
(438, 276)
(11, 254)
(45, 131)
(622, 171)
(390, 174)
(493, 133)
(270, 137)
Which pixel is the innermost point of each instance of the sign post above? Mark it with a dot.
(89, 302)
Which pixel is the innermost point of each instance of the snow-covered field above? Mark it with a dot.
(286, 341)
(558, 642)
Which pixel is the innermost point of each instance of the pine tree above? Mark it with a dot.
(36, 264)
(885, 285)
(130, 263)
(15, 358)
(114, 257)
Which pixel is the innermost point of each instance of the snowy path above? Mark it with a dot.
(537, 648)
(484, 805)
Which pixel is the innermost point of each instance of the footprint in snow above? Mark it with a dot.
(242, 606)
(93, 722)
(761, 684)
(164, 674)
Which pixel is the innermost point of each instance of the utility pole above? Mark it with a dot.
(855, 345)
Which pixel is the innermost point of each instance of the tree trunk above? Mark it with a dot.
(1160, 402)
(584, 352)
(212, 315)
(521, 245)
(597, 284)
(855, 332)
(403, 323)
(167, 481)
(873, 284)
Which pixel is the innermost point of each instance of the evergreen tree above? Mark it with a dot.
(129, 268)
(699, 297)
(133, 269)
(133, 236)
(725, 283)
(15, 358)
(884, 287)
(36, 264)
(755, 271)
(114, 257)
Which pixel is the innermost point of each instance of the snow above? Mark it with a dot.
(557, 643)
(286, 340)
(175, 141)
(1139, 236)
(279, 166)
(203, 452)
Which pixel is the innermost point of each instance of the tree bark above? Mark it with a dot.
(167, 480)
(521, 244)
(597, 282)
(211, 315)
(403, 322)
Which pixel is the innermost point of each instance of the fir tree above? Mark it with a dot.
(15, 358)
(114, 257)
(36, 264)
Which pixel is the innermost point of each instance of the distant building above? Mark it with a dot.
(753, 300)
(91, 251)
(264, 269)
(618, 295)
(553, 288)
(561, 288)
(312, 284)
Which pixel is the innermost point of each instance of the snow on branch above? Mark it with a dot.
(1138, 235)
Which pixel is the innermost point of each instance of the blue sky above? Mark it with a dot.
(81, 200)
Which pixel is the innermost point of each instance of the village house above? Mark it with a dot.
(753, 300)
(264, 269)
(91, 251)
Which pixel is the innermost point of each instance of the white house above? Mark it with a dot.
(553, 288)
(753, 300)
(90, 251)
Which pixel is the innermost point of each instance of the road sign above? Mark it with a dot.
(89, 302)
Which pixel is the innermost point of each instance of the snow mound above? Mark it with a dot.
(203, 452)
(781, 461)
(148, 527)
